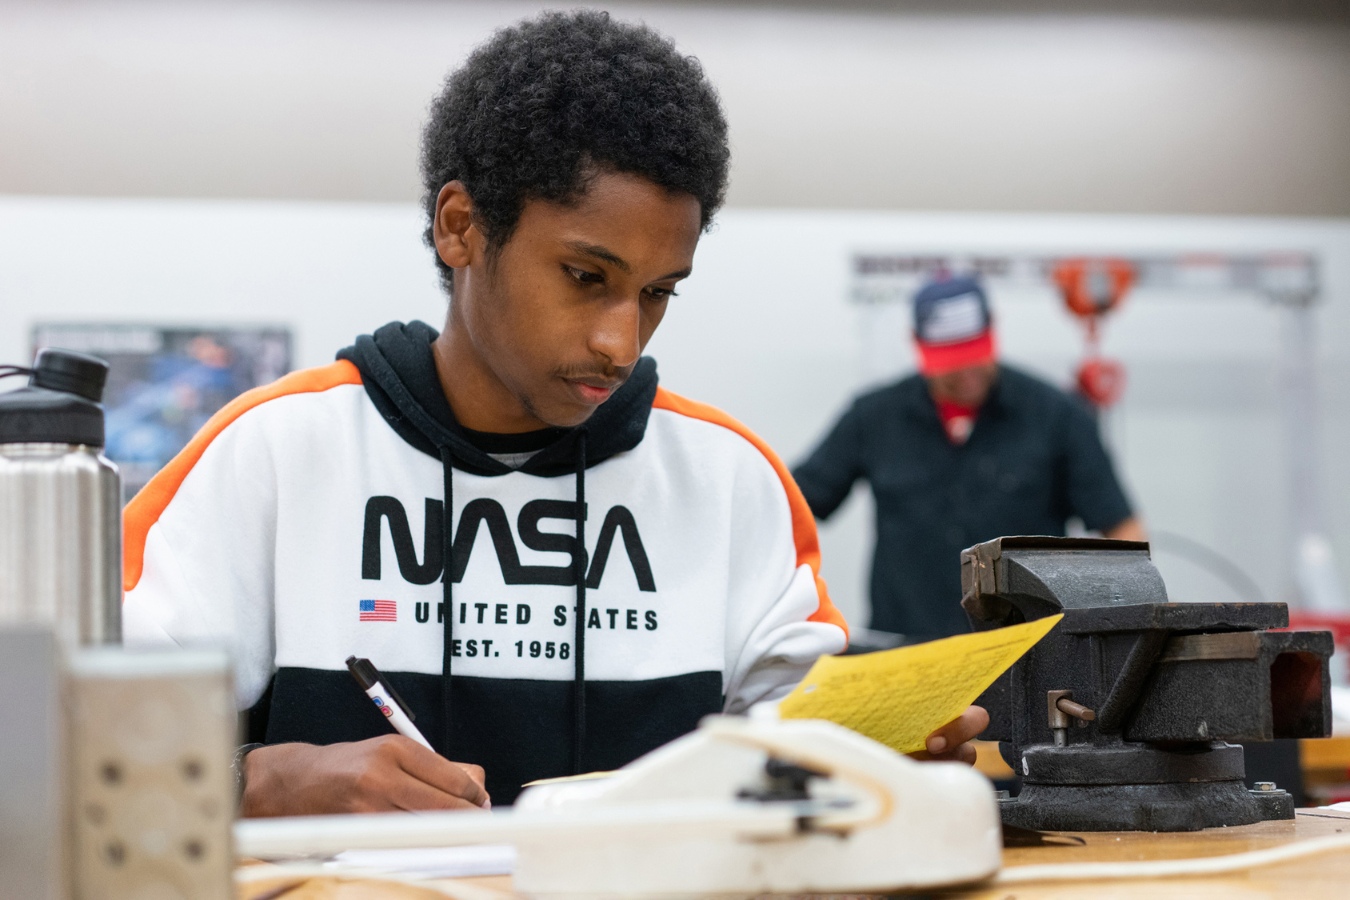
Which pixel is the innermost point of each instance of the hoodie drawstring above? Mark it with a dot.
(580, 562)
(579, 661)
(447, 596)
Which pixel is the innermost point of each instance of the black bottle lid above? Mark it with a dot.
(60, 405)
(66, 370)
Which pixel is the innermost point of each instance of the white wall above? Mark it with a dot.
(1197, 436)
(764, 329)
(1022, 106)
(330, 270)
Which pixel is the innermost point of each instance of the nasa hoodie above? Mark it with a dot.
(546, 605)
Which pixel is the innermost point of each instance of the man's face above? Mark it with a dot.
(544, 332)
(968, 386)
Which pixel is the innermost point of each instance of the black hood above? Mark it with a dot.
(399, 375)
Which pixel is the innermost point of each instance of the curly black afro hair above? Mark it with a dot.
(546, 104)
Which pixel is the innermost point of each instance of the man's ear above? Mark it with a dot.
(458, 240)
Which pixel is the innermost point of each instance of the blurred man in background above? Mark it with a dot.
(966, 450)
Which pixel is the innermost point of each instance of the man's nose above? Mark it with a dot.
(616, 334)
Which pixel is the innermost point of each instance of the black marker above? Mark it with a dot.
(386, 699)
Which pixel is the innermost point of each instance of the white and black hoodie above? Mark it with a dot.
(307, 523)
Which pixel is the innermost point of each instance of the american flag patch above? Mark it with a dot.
(379, 611)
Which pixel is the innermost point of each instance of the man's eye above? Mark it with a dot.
(584, 277)
(656, 293)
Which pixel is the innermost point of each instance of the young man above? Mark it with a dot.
(558, 564)
(962, 452)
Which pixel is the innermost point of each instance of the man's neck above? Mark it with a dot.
(476, 396)
(968, 406)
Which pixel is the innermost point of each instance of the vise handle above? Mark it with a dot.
(1060, 708)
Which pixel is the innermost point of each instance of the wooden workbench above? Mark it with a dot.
(1315, 877)
(1311, 878)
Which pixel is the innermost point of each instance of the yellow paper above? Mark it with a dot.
(901, 696)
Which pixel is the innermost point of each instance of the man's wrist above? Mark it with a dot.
(237, 767)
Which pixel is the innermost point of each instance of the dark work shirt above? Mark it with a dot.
(1034, 460)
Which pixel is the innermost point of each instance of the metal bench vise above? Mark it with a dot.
(1120, 718)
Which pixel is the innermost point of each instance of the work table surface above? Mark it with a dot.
(1325, 875)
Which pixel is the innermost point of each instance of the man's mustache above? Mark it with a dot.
(606, 376)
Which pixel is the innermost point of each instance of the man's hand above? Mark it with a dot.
(950, 743)
(376, 775)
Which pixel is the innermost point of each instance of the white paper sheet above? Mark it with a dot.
(432, 862)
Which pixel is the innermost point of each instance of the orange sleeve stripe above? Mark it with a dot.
(803, 522)
(150, 502)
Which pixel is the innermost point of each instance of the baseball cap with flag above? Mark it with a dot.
(953, 328)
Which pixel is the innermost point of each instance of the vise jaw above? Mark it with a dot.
(1120, 718)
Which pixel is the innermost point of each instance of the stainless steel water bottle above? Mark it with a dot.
(60, 503)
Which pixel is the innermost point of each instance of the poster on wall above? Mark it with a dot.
(164, 382)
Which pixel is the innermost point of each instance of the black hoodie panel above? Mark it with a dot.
(518, 730)
(399, 375)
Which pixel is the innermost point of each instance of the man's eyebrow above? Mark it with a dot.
(603, 253)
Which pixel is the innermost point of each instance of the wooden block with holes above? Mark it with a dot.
(151, 739)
